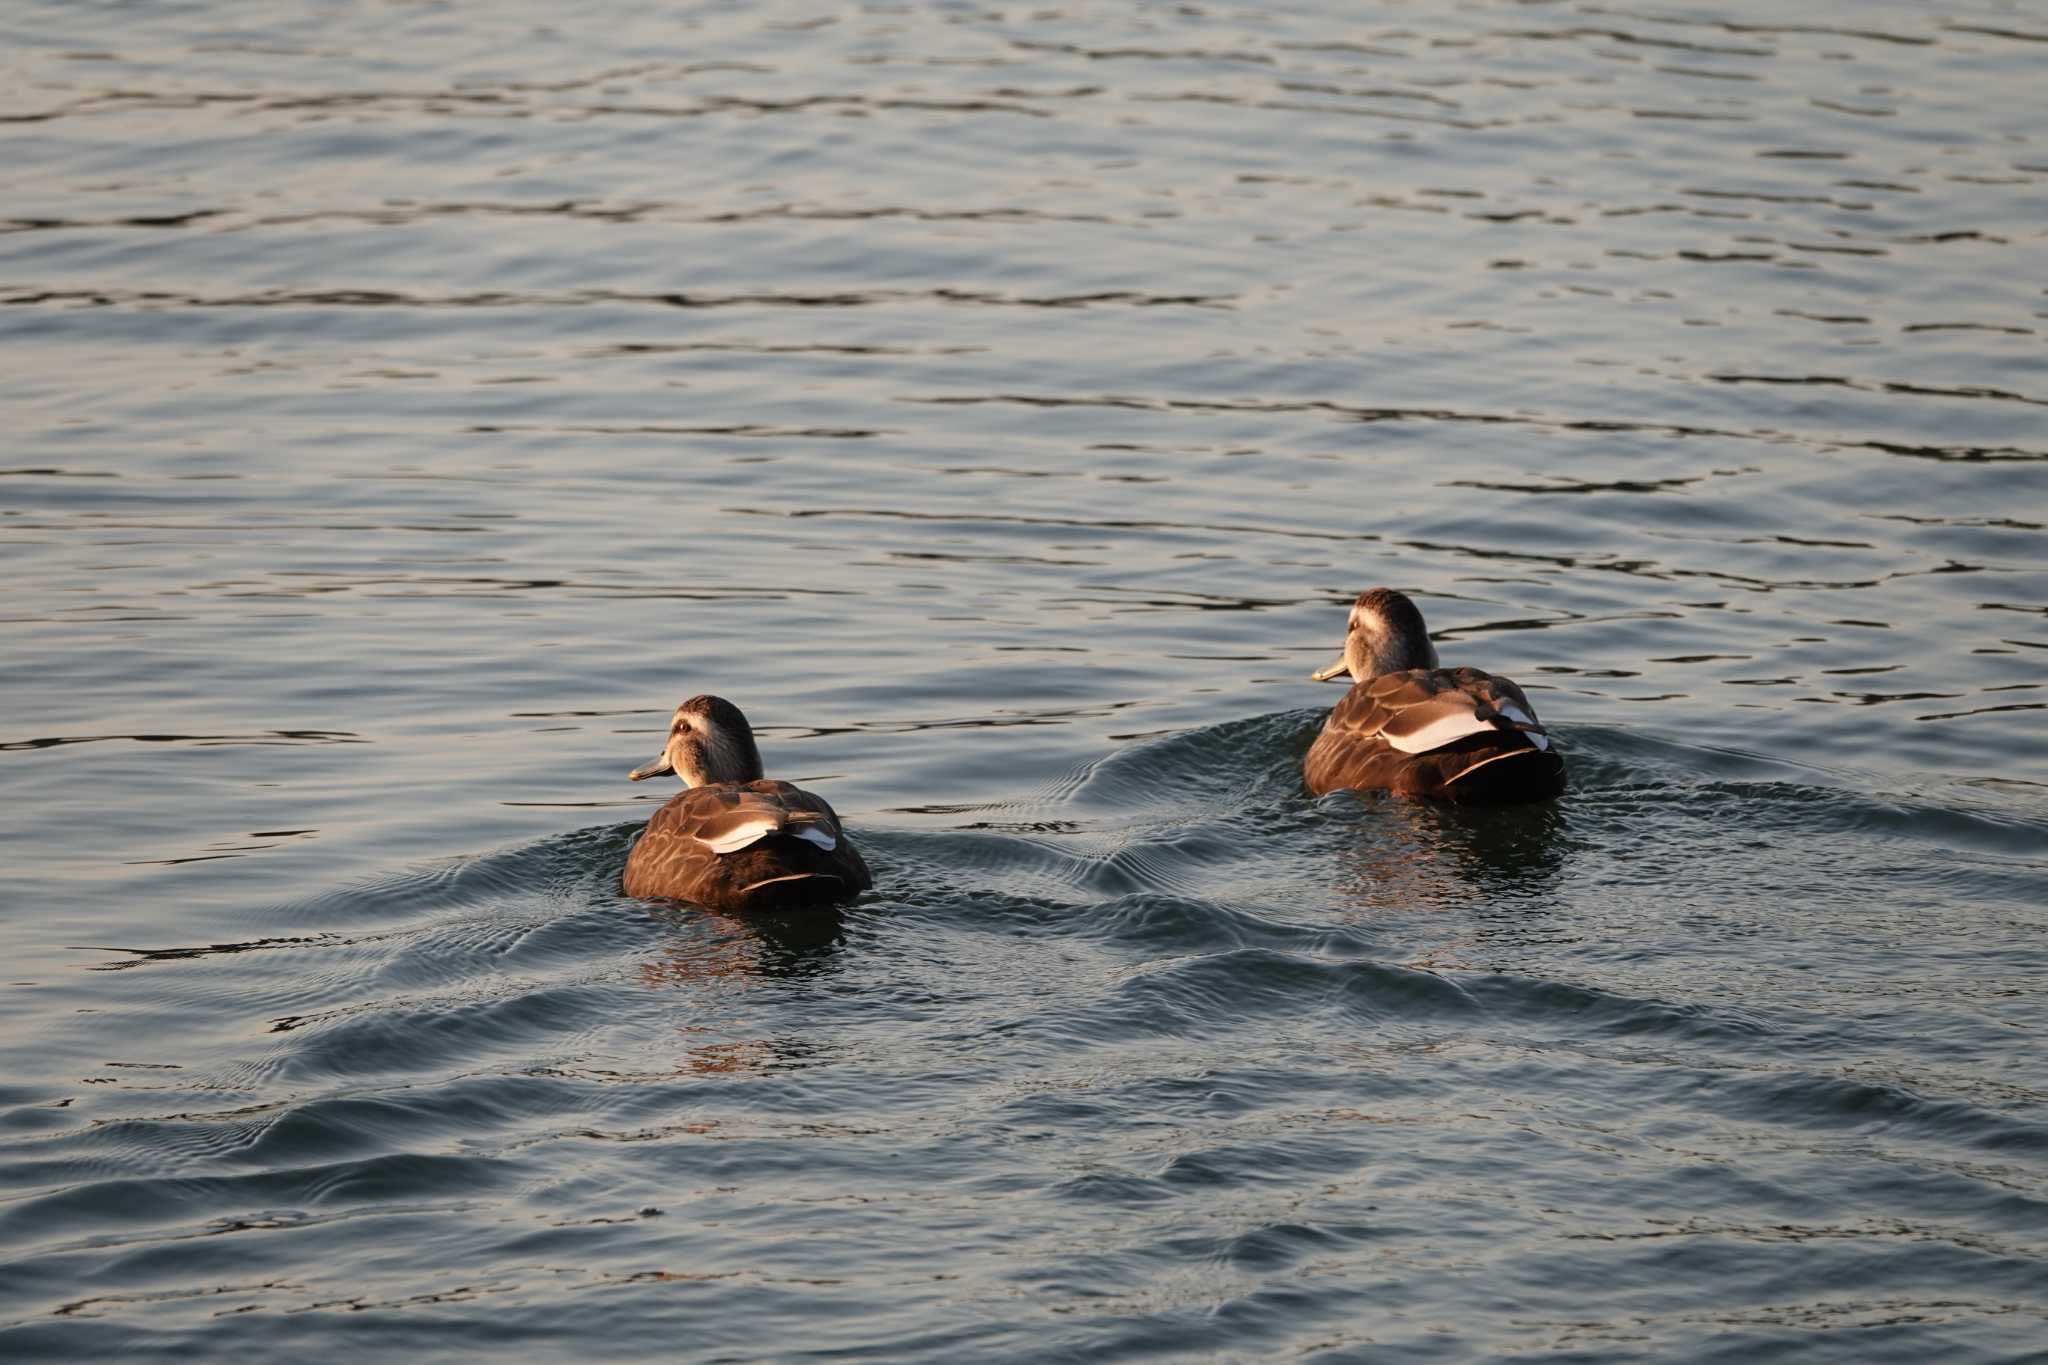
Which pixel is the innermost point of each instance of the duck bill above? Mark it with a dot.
(1338, 671)
(653, 768)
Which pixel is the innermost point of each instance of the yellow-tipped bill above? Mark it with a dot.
(654, 768)
(1339, 669)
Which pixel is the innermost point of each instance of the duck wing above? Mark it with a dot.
(806, 815)
(727, 817)
(821, 851)
(745, 845)
(1426, 730)
(1426, 709)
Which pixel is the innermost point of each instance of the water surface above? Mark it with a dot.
(408, 405)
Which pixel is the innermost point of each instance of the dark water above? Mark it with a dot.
(408, 404)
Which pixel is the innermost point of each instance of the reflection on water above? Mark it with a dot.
(998, 403)
(705, 945)
(1394, 852)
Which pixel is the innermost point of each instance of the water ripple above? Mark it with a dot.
(410, 406)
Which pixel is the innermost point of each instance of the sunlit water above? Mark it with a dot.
(407, 405)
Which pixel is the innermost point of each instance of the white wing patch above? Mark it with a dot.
(821, 837)
(1521, 717)
(1440, 732)
(746, 833)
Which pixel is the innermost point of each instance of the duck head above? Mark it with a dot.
(708, 741)
(1386, 635)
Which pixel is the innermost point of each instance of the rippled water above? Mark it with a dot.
(408, 404)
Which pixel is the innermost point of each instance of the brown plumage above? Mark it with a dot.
(675, 858)
(1408, 726)
(736, 840)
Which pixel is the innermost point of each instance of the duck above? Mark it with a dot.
(734, 839)
(1414, 728)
